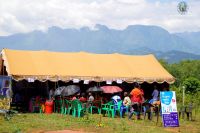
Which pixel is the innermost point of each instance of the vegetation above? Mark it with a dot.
(187, 74)
(39, 123)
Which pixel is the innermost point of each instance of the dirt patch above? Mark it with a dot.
(65, 131)
(173, 130)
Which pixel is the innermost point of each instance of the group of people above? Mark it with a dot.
(82, 97)
(136, 98)
(132, 101)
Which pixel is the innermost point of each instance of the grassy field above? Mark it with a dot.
(39, 123)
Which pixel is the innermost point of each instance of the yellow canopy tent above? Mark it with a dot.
(54, 66)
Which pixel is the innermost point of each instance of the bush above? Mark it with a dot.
(192, 85)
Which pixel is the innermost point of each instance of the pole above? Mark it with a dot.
(183, 95)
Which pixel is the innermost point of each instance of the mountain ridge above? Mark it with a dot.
(134, 39)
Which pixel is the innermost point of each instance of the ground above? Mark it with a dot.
(46, 123)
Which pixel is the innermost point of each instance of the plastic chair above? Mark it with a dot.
(147, 110)
(78, 108)
(59, 106)
(181, 112)
(188, 111)
(96, 105)
(109, 109)
(117, 106)
(67, 106)
(134, 109)
(123, 109)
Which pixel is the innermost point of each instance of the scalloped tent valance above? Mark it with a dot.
(54, 66)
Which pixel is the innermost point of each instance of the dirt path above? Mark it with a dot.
(65, 131)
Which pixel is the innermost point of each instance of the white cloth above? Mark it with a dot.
(116, 98)
(127, 101)
(91, 98)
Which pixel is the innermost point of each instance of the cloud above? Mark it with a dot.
(28, 15)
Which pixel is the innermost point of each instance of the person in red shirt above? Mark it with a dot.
(137, 97)
(82, 98)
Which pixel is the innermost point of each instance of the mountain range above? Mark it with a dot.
(134, 40)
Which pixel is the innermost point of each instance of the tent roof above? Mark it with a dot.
(45, 65)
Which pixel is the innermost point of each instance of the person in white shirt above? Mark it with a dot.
(127, 100)
(91, 98)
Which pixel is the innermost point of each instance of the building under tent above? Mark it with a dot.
(34, 72)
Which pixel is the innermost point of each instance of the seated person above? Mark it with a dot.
(126, 103)
(74, 97)
(127, 100)
(116, 98)
(91, 97)
(82, 98)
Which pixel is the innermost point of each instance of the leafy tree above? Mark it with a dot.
(191, 84)
(187, 73)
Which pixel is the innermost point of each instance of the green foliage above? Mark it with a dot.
(184, 70)
(187, 73)
(192, 85)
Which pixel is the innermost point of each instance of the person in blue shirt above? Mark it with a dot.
(155, 94)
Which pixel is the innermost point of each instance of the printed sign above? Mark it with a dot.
(169, 109)
(5, 92)
(5, 86)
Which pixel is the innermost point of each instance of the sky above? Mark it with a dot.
(22, 16)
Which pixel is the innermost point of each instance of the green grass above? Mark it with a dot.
(22, 123)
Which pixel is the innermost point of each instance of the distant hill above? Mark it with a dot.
(135, 39)
(176, 56)
(192, 38)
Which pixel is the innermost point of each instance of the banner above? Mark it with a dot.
(169, 109)
(5, 92)
(5, 86)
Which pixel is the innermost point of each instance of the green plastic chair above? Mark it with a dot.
(111, 111)
(59, 106)
(96, 105)
(108, 108)
(78, 108)
(67, 106)
(118, 108)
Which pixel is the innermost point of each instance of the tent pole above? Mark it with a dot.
(3, 66)
(47, 88)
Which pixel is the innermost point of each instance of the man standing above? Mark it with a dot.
(155, 94)
(136, 101)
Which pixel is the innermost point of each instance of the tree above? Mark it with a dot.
(192, 85)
